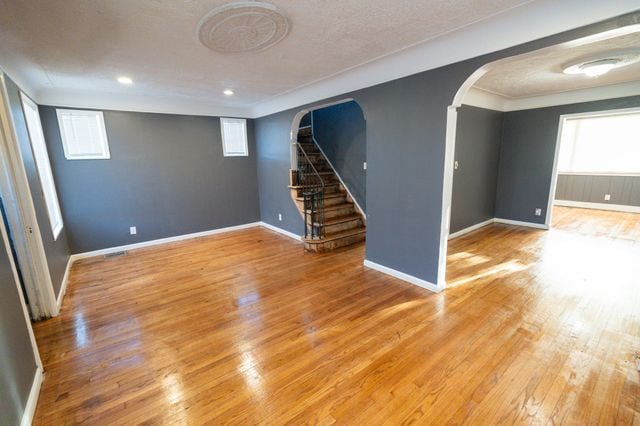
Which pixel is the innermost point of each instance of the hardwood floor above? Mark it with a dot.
(245, 327)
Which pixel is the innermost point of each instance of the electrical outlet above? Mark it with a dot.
(133, 230)
(538, 212)
(455, 165)
(607, 197)
(280, 217)
(364, 166)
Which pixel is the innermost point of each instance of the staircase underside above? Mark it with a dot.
(344, 224)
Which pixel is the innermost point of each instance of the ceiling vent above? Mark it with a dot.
(247, 26)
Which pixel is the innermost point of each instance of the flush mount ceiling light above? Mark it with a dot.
(598, 66)
(246, 26)
(228, 92)
(125, 80)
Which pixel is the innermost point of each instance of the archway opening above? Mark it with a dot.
(539, 179)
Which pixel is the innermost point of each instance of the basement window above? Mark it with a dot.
(41, 157)
(601, 143)
(234, 137)
(83, 133)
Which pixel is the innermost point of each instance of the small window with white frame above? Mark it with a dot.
(234, 137)
(41, 157)
(83, 133)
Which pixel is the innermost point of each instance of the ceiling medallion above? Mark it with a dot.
(246, 26)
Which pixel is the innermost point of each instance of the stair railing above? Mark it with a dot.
(312, 194)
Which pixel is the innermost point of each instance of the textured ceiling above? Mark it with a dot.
(542, 74)
(81, 46)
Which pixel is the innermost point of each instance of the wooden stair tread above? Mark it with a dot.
(336, 183)
(344, 205)
(342, 219)
(337, 235)
(330, 195)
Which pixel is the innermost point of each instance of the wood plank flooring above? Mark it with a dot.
(536, 327)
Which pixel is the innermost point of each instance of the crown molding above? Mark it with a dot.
(483, 99)
(591, 94)
(501, 31)
(506, 29)
(111, 101)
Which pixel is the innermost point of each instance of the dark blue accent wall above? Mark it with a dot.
(341, 133)
(406, 123)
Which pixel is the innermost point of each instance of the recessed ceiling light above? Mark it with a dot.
(228, 92)
(595, 67)
(125, 80)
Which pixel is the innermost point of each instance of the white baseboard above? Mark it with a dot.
(32, 401)
(519, 223)
(471, 228)
(163, 241)
(280, 231)
(401, 275)
(597, 206)
(65, 279)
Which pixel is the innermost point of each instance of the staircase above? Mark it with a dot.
(332, 219)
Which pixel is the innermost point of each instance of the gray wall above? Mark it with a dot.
(166, 176)
(341, 133)
(527, 154)
(405, 125)
(624, 190)
(477, 153)
(17, 362)
(56, 251)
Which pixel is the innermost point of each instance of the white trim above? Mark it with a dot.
(16, 280)
(598, 206)
(134, 246)
(450, 138)
(70, 98)
(42, 162)
(482, 98)
(471, 228)
(225, 151)
(562, 119)
(554, 172)
(22, 217)
(520, 223)
(295, 128)
(105, 153)
(560, 173)
(65, 280)
(402, 276)
(500, 31)
(364, 215)
(280, 231)
(447, 191)
(611, 91)
(32, 401)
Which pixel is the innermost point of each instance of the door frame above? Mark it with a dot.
(21, 215)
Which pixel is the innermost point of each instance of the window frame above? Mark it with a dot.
(225, 152)
(106, 153)
(55, 223)
(586, 115)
